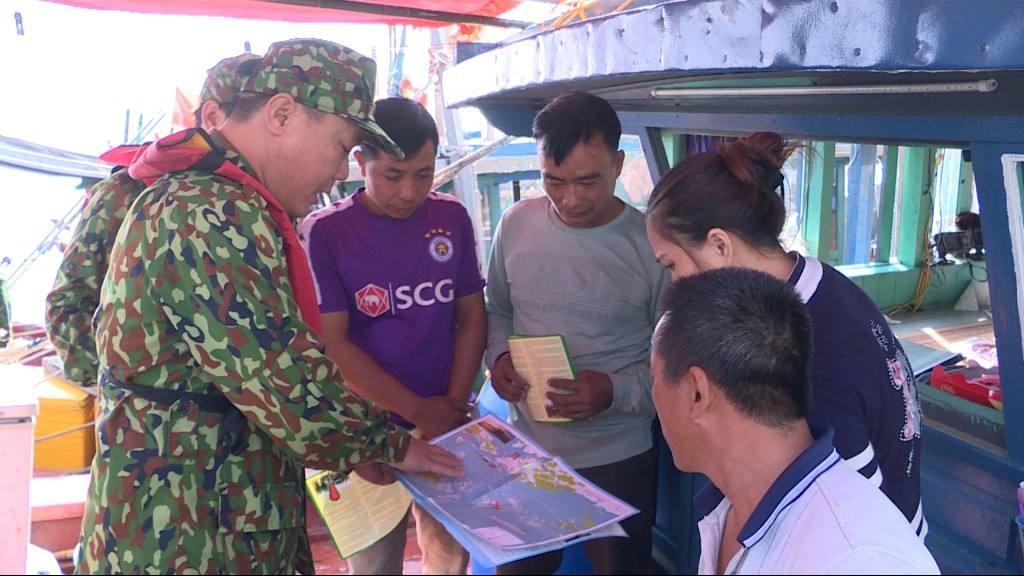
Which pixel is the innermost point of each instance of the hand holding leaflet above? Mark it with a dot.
(538, 359)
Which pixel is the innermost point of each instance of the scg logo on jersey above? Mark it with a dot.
(425, 294)
(373, 300)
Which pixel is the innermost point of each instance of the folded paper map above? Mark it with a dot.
(514, 500)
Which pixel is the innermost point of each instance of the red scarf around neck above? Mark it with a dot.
(124, 154)
(194, 150)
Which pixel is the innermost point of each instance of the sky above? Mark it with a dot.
(78, 79)
(89, 69)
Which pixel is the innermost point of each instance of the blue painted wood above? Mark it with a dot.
(1004, 284)
(677, 39)
(860, 204)
(954, 130)
(970, 503)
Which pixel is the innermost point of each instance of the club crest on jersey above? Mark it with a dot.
(440, 244)
(372, 300)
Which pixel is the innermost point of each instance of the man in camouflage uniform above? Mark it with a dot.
(76, 291)
(215, 392)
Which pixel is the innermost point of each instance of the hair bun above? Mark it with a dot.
(770, 178)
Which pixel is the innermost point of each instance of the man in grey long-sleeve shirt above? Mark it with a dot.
(577, 262)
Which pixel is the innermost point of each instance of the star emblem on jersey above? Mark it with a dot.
(440, 244)
(372, 300)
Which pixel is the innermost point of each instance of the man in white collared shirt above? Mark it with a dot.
(731, 360)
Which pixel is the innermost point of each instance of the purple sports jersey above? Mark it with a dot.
(398, 280)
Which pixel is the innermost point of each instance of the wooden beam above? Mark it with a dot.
(887, 208)
(916, 205)
(966, 196)
(820, 165)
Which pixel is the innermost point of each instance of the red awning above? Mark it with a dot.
(310, 11)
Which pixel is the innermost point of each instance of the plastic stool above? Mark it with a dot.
(489, 402)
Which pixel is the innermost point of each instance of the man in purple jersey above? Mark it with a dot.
(401, 293)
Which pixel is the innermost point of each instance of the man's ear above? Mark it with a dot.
(620, 158)
(280, 112)
(700, 398)
(361, 160)
(211, 115)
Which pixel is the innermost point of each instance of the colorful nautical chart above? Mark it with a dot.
(513, 494)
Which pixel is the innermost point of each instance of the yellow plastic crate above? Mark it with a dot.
(62, 407)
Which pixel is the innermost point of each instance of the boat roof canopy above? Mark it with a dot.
(762, 57)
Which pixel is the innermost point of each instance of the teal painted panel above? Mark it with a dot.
(869, 284)
(904, 287)
(887, 289)
(888, 208)
(817, 224)
(941, 287)
(973, 271)
(892, 289)
(948, 283)
(915, 207)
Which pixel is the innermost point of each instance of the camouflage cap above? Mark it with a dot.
(327, 76)
(224, 81)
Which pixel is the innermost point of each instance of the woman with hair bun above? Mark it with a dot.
(725, 208)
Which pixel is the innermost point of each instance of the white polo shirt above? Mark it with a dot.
(819, 517)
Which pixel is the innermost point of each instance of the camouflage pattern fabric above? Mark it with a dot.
(197, 299)
(329, 77)
(223, 80)
(5, 313)
(76, 291)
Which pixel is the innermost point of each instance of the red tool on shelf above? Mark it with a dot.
(975, 384)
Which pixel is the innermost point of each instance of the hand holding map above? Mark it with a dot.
(515, 500)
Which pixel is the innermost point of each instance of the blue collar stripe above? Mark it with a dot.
(790, 485)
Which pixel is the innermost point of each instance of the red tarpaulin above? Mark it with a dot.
(310, 11)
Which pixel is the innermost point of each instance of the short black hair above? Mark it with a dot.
(572, 118)
(406, 122)
(247, 104)
(749, 332)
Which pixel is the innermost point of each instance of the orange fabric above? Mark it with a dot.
(185, 105)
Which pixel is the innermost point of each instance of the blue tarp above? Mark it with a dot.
(39, 158)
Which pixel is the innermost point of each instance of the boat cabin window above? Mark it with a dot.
(903, 222)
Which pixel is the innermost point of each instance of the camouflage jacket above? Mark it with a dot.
(197, 299)
(76, 291)
(5, 313)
